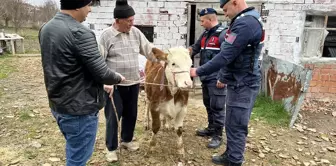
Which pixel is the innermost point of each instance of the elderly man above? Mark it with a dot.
(120, 45)
(74, 74)
(238, 61)
(208, 45)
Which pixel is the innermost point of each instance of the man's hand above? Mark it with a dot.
(220, 85)
(122, 77)
(193, 72)
(108, 88)
(190, 50)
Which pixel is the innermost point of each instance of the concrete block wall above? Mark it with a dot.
(169, 19)
(285, 25)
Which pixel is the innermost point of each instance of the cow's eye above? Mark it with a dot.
(173, 64)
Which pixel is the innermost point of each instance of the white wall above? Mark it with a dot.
(285, 24)
(169, 19)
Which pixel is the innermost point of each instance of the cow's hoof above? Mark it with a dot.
(152, 143)
(181, 153)
(168, 128)
(151, 149)
(147, 127)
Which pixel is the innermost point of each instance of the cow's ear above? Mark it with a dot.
(159, 54)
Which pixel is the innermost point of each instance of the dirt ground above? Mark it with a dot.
(29, 135)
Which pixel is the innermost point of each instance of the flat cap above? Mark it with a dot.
(207, 11)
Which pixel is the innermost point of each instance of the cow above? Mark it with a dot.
(168, 100)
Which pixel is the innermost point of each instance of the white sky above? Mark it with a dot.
(41, 2)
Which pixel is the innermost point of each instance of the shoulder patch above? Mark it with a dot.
(230, 37)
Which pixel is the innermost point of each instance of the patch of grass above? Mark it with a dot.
(29, 154)
(114, 164)
(272, 112)
(274, 161)
(138, 131)
(1, 91)
(24, 114)
(5, 66)
(24, 32)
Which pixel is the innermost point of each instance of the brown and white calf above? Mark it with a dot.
(169, 101)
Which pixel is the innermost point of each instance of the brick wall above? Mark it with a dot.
(323, 83)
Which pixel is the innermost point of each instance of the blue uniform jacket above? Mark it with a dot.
(208, 45)
(238, 56)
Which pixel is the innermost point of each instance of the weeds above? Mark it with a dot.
(272, 112)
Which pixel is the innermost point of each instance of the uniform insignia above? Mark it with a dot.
(231, 37)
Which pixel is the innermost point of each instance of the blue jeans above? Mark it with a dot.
(80, 135)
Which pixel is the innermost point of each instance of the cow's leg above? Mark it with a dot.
(163, 120)
(156, 124)
(167, 114)
(146, 112)
(166, 122)
(179, 127)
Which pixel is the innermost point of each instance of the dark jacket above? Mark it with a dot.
(74, 70)
(208, 45)
(238, 59)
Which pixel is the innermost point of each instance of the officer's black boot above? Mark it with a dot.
(216, 140)
(222, 160)
(205, 132)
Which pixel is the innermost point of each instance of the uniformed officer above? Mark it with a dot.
(208, 45)
(239, 70)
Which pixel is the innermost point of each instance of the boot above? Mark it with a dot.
(216, 139)
(205, 132)
(215, 142)
(222, 160)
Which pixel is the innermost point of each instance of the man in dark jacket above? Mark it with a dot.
(74, 74)
(208, 45)
(239, 69)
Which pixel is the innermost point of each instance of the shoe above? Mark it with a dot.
(216, 141)
(111, 156)
(205, 132)
(222, 160)
(131, 146)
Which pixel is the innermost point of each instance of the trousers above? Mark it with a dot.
(214, 102)
(79, 132)
(126, 102)
(240, 102)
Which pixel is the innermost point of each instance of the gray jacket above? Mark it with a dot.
(74, 70)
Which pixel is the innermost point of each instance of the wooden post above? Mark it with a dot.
(22, 45)
(13, 47)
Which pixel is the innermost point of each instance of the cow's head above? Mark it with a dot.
(178, 64)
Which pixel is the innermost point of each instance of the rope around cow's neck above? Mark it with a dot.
(156, 84)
